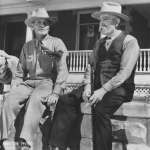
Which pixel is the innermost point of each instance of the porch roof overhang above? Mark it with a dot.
(23, 6)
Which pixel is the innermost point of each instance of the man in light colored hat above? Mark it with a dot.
(113, 61)
(41, 72)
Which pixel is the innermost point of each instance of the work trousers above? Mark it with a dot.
(29, 94)
(102, 113)
(66, 123)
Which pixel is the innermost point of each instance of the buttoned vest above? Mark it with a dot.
(107, 64)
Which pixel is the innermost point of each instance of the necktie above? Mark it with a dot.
(107, 42)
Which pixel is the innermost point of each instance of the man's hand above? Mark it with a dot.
(3, 54)
(15, 82)
(86, 93)
(97, 96)
(51, 99)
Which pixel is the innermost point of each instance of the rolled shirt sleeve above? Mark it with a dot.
(62, 70)
(128, 62)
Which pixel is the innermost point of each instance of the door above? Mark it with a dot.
(13, 33)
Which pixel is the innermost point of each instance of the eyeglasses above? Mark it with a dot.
(107, 18)
(41, 22)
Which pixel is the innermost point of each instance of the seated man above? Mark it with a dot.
(109, 81)
(41, 72)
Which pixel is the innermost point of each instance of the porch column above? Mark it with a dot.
(29, 34)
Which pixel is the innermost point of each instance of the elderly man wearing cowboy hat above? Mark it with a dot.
(113, 61)
(41, 72)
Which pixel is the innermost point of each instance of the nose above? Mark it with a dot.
(42, 24)
(103, 24)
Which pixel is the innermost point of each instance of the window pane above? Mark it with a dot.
(88, 35)
(86, 18)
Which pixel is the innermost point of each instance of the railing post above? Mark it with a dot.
(70, 63)
(144, 61)
(140, 62)
(74, 62)
(83, 61)
(148, 61)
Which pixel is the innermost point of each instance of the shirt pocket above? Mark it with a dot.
(45, 63)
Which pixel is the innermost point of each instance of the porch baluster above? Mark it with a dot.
(140, 62)
(74, 62)
(83, 61)
(144, 61)
(70, 63)
(148, 60)
(77, 61)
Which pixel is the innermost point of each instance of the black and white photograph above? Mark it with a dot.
(74, 74)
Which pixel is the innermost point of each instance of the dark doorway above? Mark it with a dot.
(65, 27)
(13, 33)
(15, 37)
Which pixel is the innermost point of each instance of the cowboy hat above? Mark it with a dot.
(111, 8)
(36, 14)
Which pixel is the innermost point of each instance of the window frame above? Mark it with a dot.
(80, 12)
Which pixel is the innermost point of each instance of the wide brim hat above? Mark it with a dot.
(111, 8)
(37, 14)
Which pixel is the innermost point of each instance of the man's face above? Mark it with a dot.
(41, 26)
(107, 24)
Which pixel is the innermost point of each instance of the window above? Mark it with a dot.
(87, 31)
(13, 33)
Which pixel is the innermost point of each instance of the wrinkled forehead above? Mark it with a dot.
(108, 17)
(40, 20)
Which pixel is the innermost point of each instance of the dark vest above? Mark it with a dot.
(107, 64)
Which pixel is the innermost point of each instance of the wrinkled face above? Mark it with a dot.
(41, 26)
(108, 24)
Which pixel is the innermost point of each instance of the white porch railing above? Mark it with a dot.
(78, 59)
(143, 64)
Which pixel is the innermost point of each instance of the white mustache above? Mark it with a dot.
(44, 28)
(102, 26)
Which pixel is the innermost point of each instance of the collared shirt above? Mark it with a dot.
(110, 39)
(127, 64)
(36, 64)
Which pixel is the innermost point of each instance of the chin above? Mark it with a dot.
(104, 32)
(42, 33)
